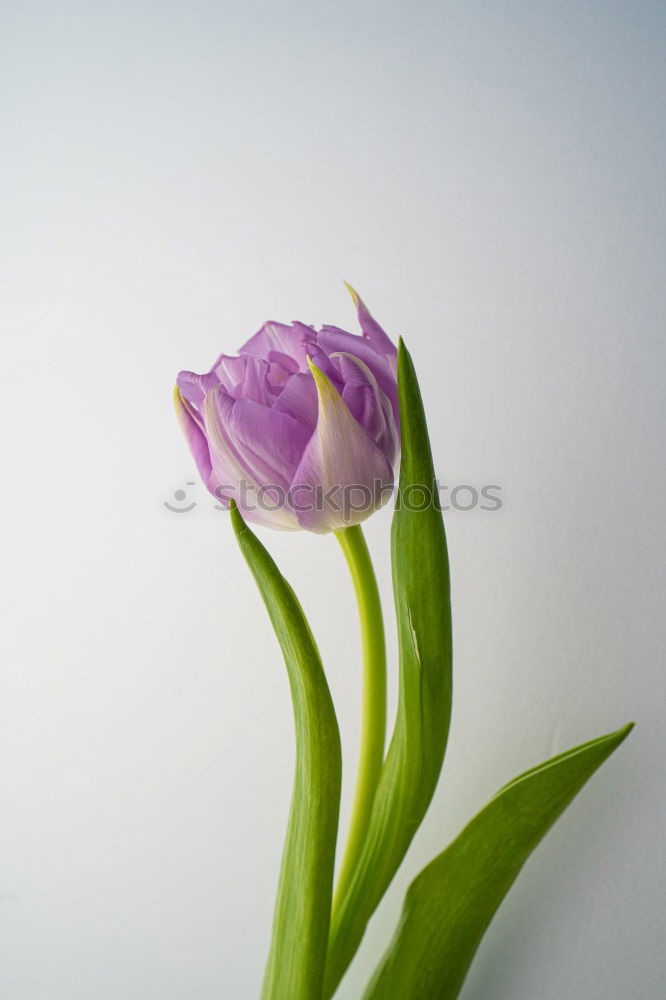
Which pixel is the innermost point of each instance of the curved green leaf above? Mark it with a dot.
(423, 608)
(450, 904)
(297, 956)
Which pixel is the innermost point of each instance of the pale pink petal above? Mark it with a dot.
(238, 471)
(369, 405)
(343, 476)
(194, 435)
(279, 337)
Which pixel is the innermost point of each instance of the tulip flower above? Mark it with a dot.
(301, 428)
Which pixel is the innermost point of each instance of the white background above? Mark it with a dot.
(490, 176)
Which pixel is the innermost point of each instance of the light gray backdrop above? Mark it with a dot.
(490, 176)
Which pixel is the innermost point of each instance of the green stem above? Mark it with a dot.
(373, 726)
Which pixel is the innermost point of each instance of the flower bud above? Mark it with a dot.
(301, 429)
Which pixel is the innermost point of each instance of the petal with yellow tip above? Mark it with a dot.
(370, 327)
(343, 476)
(194, 435)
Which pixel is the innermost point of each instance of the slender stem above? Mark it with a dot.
(373, 726)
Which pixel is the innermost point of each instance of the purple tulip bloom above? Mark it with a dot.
(301, 429)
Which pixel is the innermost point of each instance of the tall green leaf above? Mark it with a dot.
(450, 904)
(423, 608)
(297, 956)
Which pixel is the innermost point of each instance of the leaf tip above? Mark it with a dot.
(611, 741)
(624, 731)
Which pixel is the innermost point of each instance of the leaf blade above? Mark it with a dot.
(296, 960)
(450, 904)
